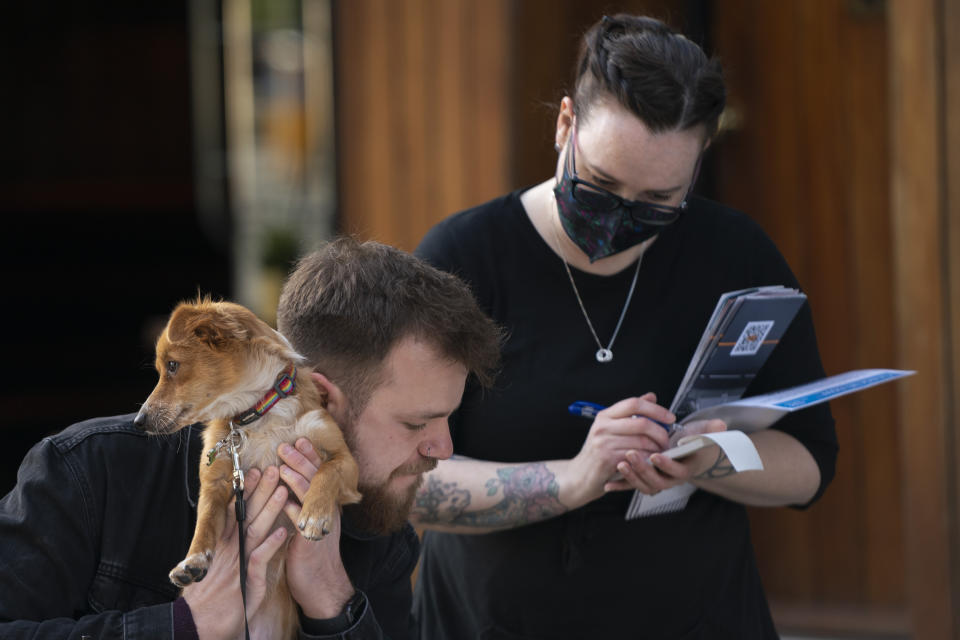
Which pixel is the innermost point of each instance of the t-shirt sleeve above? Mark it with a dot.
(438, 247)
(796, 360)
(459, 245)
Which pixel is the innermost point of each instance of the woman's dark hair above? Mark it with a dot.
(664, 79)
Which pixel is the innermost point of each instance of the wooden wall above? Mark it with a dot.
(809, 159)
(422, 125)
(840, 109)
(925, 116)
(443, 104)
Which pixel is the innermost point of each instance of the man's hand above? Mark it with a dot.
(625, 431)
(216, 601)
(315, 572)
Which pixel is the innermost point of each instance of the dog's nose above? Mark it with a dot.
(141, 419)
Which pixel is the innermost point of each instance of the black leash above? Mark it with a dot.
(283, 387)
(241, 510)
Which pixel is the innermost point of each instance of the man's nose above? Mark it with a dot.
(437, 443)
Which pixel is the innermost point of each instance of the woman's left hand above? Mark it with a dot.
(651, 475)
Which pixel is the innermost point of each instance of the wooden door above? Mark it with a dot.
(421, 112)
(808, 157)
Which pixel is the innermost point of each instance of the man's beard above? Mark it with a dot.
(381, 511)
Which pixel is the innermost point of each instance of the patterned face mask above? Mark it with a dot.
(602, 223)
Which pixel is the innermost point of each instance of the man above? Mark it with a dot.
(101, 512)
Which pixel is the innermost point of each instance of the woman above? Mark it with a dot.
(605, 276)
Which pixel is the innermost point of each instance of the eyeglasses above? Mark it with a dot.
(599, 200)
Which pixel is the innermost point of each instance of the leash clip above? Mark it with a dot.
(236, 440)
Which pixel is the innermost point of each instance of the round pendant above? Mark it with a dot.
(604, 355)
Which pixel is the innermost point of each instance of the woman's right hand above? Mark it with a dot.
(627, 426)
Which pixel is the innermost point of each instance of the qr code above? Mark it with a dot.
(751, 339)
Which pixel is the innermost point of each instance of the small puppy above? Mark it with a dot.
(220, 364)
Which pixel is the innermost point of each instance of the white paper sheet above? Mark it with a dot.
(752, 414)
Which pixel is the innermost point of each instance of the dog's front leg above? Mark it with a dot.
(215, 492)
(334, 484)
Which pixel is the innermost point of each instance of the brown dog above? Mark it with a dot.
(221, 365)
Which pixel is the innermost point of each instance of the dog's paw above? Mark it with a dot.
(314, 527)
(191, 569)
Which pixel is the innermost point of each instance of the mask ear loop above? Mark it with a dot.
(569, 160)
(573, 147)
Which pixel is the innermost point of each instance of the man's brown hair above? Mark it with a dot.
(346, 305)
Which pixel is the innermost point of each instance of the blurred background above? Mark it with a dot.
(153, 150)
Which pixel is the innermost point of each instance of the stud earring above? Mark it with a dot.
(557, 147)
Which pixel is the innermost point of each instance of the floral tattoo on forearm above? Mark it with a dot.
(529, 493)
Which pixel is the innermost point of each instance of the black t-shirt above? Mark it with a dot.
(590, 572)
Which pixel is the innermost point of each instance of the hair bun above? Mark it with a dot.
(653, 71)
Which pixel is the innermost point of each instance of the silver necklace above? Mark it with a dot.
(604, 354)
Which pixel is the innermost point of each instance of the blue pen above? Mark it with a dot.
(586, 409)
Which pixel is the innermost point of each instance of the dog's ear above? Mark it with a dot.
(208, 325)
(177, 326)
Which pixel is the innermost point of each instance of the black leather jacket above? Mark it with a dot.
(102, 512)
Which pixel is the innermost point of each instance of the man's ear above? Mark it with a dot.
(330, 394)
